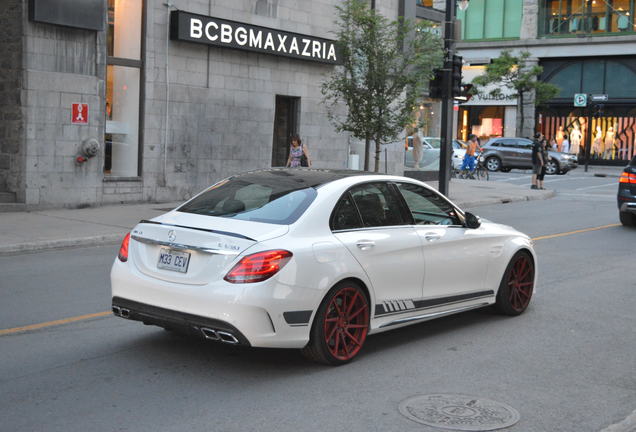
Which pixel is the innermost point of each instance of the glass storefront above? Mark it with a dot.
(573, 17)
(613, 133)
(123, 78)
(484, 121)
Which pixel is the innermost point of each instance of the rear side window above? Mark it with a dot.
(377, 205)
(345, 215)
(253, 199)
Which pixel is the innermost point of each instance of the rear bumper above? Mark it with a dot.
(627, 207)
(207, 328)
(254, 313)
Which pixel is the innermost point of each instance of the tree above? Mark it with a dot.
(386, 67)
(513, 72)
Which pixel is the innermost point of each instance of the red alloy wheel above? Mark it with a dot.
(346, 323)
(520, 283)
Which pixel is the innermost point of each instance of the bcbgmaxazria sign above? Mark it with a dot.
(219, 32)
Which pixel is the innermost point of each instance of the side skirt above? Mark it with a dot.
(432, 315)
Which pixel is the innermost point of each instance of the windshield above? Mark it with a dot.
(434, 142)
(256, 198)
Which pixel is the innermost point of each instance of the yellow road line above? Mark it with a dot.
(53, 323)
(545, 237)
(103, 314)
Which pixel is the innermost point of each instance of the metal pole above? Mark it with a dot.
(588, 137)
(447, 99)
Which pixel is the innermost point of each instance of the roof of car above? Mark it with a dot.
(299, 177)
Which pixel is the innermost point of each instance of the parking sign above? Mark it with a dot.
(580, 100)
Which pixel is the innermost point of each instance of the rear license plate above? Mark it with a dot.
(170, 259)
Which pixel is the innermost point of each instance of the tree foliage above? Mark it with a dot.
(387, 65)
(513, 73)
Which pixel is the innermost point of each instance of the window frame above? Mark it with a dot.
(405, 213)
(141, 65)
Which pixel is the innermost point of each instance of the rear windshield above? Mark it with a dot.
(253, 198)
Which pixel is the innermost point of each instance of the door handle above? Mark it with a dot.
(365, 244)
(432, 236)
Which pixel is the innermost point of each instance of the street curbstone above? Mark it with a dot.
(18, 248)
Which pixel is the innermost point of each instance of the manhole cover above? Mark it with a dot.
(459, 412)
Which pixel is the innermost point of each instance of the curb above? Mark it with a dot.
(544, 196)
(13, 249)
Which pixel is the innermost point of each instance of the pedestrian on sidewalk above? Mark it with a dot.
(545, 157)
(537, 159)
(298, 154)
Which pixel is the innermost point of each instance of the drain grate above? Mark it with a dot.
(459, 412)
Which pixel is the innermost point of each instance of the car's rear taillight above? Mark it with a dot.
(259, 266)
(123, 249)
(628, 178)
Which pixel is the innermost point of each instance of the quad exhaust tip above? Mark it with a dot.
(219, 335)
(121, 312)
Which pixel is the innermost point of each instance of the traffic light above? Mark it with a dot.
(436, 85)
(456, 75)
(464, 94)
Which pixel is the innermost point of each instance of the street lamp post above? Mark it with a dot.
(447, 92)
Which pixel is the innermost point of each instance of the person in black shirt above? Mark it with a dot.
(537, 160)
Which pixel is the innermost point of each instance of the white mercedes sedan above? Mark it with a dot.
(316, 260)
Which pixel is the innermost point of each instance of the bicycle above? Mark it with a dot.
(479, 173)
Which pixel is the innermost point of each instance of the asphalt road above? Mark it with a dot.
(567, 364)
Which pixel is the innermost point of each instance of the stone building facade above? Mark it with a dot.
(170, 117)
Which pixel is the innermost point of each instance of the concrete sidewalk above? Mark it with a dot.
(51, 229)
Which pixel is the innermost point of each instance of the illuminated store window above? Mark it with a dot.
(123, 87)
(572, 17)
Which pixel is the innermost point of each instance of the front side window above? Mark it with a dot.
(377, 205)
(427, 207)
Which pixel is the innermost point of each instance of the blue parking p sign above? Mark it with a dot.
(580, 99)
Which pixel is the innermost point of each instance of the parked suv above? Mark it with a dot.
(627, 195)
(503, 154)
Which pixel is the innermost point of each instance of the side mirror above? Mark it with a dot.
(472, 221)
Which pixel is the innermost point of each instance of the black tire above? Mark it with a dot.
(505, 170)
(318, 349)
(481, 173)
(552, 167)
(512, 298)
(493, 163)
(627, 219)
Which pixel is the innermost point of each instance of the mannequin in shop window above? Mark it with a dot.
(575, 140)
(559, 138)
(417, 148)
(565, 144)
(597, 145)
(609, 143)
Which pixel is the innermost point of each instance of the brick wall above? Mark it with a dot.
(11, 118)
